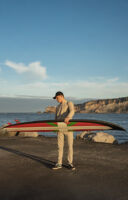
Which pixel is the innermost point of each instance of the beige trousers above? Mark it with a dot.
(69, 136)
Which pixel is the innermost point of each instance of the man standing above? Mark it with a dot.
(65, 112)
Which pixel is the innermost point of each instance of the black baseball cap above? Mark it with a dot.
(57, 94)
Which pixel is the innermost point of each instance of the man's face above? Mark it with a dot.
(59, 98)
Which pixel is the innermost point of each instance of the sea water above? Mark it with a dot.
(119, 119)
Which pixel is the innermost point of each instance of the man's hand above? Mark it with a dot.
(66, 120)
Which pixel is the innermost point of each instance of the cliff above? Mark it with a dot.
(117, 105)
(50, 109)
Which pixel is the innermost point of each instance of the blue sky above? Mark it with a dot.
(77, 46)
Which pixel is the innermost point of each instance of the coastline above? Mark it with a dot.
(116, 105)
(25, 170)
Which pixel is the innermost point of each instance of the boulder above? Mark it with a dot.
(27, 134)
(4, 132)
(103, 137)
(83, 134)
(10, 134)
(96, 137)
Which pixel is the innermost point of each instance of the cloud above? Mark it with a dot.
(107, 88)
(35, 73)
(33, 70)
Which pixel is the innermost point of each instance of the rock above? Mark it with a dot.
(4, 132)
(11, 134)
(97, 137)
(117, 105)
(50, 109)
(103, 137)
(83, 134)
(27, 134)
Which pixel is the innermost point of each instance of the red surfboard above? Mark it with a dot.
(57, 126)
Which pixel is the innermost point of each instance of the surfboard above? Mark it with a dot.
(60, 126)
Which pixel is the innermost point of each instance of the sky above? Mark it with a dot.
(79, 47)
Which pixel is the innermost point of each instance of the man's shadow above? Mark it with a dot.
(45, 162)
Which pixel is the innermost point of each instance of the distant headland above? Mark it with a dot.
(116, 105)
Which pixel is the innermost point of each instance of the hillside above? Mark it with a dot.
(117, 105)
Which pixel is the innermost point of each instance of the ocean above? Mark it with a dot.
(120, 119)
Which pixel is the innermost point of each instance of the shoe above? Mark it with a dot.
(71, 167)
(57, 166)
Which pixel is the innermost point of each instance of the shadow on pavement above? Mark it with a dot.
(45, 162)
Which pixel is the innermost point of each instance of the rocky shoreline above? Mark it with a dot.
(117, 105)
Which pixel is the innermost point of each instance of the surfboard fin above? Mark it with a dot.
(17, 121)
